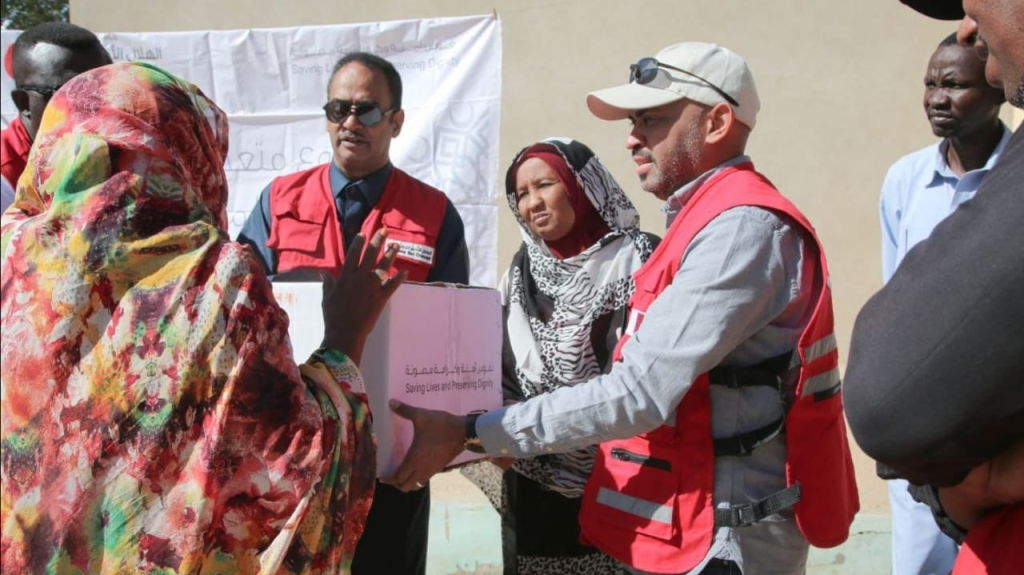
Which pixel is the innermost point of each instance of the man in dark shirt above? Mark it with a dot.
(360, 173)
(303, 222)
(920, 190)
(933, 387)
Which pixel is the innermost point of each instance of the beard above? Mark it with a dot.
(1016, 99)
(681, 166)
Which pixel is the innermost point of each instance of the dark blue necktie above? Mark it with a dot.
(352, 210)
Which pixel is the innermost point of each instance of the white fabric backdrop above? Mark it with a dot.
(272, 83)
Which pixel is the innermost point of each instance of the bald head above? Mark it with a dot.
(45, 57)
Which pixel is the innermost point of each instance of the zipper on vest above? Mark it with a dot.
(623, 455)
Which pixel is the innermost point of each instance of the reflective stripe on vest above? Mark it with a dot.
(635, 506)
(820, 348)
(822, 386)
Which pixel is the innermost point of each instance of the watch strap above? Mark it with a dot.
(472, 442)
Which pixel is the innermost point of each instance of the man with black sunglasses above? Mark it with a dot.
(722, 442)
(44, 58)
(304, 222)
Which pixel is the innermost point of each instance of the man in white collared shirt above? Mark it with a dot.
(920, 190)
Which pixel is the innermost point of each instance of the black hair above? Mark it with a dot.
(63, 34)
(374, 62)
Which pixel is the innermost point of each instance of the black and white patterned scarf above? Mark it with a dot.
(564, 315)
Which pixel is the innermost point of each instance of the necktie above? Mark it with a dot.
(352, 211)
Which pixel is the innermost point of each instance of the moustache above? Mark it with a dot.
(638, 152)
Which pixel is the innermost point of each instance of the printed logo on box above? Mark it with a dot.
(414, 252)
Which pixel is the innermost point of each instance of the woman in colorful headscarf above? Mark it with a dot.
(564, 299)
(153, 417)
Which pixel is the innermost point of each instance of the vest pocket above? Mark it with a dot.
(298, 230)
(304, 237)
(641, 492)
(640, 459)
(301, 247)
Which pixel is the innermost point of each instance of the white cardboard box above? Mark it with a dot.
(302, 302)
(435, 345)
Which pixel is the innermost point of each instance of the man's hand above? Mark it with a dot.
(988, 486)
(353, 302)
(438, 437)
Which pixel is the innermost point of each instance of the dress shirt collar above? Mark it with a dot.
(675, 203)
(372, 185)
(942, 171)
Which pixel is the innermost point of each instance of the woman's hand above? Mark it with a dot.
(353, 302)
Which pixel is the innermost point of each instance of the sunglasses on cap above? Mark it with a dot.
(646, 70)
(367, 113)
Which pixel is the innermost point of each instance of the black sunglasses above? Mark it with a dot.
(646, 70)
(367, 113)
(45, 91)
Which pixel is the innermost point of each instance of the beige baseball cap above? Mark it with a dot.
(705, 73)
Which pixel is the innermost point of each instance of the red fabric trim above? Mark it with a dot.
(994, 544)
(14, 147)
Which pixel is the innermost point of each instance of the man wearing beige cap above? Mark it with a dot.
(722, 441)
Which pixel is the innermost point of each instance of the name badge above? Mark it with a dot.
(414, 252)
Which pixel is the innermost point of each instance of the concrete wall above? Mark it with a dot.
(840, 85)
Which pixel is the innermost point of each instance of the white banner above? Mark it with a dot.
(272, 83)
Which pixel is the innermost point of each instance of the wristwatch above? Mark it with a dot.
(472, 442)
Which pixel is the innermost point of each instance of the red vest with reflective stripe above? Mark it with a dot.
(305, 230)
(650, 506)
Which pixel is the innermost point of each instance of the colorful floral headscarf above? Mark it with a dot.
(153, 419)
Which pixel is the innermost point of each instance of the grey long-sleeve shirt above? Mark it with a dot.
(744, 291)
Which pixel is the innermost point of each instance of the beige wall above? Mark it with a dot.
(840, 86)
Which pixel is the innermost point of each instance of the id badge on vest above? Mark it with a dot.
(414, 252)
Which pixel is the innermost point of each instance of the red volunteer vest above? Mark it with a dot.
(306, 233)
(648, 502)
(993, 544)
